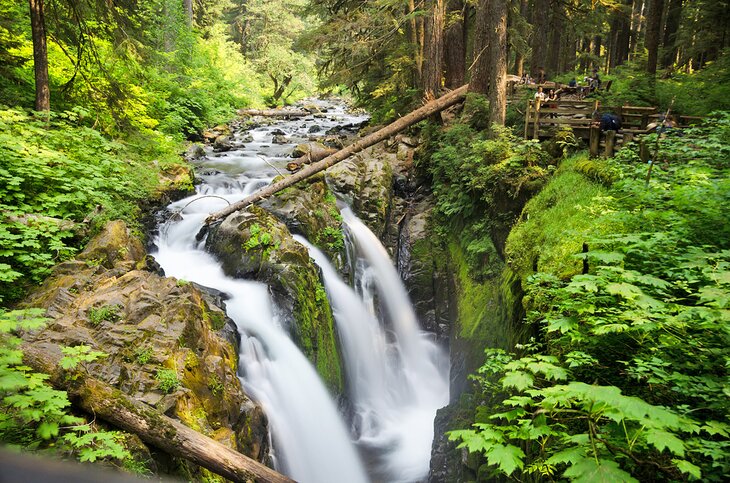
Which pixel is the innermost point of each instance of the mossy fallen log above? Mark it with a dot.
(395, 127)
(273, 112)
(165, 433)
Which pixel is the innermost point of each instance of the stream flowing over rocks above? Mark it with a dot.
(331, 346)
(307, 331)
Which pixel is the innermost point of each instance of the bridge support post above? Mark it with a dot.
(594, 139)
(610, 143)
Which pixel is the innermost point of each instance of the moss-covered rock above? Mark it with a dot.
(159, 336)
(366, 181)
(255, 245)
(309, 208)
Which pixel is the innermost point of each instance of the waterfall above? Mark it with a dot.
(397, 376)
(397, 380)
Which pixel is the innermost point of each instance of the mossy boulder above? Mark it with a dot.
(309, 208)
(253, 244)
(366, 181)
(159, 335)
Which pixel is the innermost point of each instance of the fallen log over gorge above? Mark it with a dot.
(165, 433)
(273, 112)
(395, 127)
(313, 152)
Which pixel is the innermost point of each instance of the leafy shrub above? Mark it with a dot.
(35, 416)
(628, 379)
(109, 313)
(167, 380)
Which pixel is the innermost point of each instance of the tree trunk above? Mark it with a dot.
(596, 51)
(556, 32)
(416, 45)
(418, 115)
(674, 17)
(519, 55)
(40, 56)
(540, 32)
(455, 46)
(188, 4)
(636, 22)
(433, 53)
(480, 71)
(498, 61)
(167, 434)
(653, 26)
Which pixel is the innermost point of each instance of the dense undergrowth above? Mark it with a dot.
(626, 286)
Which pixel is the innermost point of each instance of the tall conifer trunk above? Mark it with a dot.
(455, 46)
(40, 56)
(653, 27)
(498, 61)
(480, 70)
(433, 51)
(540, 24)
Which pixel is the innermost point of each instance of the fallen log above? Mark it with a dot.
(273, 112)
(313, 152)
(165, 433)
(395, 127)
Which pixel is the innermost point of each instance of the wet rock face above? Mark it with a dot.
(255, 245)
(424, 265)
(160, 334)
(366, 181)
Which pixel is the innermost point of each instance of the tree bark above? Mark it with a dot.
(498, 61)
(167, 434)
(418, 115)
(674, 17)
(653, 26)
(188, 4)
(40, 56)
(455, 46)
(539, 36)
(557, 17)
(434, 50)
(479, 79)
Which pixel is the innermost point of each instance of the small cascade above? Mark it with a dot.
(397, 379)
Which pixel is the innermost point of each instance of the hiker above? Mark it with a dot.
(541, 75)
(540, 95)
(610, 122)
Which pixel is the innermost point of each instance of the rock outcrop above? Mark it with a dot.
(255, 245)
(163, 338)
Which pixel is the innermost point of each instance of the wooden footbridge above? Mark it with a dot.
(544, 119)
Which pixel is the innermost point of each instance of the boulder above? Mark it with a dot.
(366, 180)
(194, 152)
(161, 336)
(309, 208)
(279, 139)
(222, 143)
(253, 244)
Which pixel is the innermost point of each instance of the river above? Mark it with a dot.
(397, 376)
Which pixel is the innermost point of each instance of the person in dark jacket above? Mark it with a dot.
(610, 122)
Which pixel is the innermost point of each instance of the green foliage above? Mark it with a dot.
(35, 416)
(215, 385)
(261, 240)
(79, 355)
(628, 381)
(474, 175)
(332, 238)
(143, 355)
(109, 313)
(167, 380)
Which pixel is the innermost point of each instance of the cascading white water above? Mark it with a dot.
(397, 378)
(396, 383)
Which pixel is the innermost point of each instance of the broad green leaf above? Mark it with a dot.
(569, 455)
(520, 380)
(47, 430)
(664, 439)
(686, 467)
(507, 457)
(588, 470)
